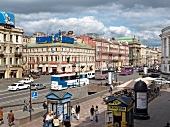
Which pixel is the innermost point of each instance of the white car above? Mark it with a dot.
(161, 81)
(17, 86)
(26, 80)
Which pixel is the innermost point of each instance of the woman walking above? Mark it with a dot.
(10, 118)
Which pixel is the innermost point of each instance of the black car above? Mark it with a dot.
(154, 75)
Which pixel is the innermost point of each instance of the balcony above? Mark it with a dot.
(1, 54)
(18, 54)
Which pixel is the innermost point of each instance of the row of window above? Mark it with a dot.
(11, 61)
(63, 58)
(58, 49)
(11, 49)
(11, 38)
(73, 77)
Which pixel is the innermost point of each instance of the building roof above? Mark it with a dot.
(78, 45)
(128, 39)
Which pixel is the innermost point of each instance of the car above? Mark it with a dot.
(161, 81)
(154, 75)
(26, 80)
(17, 86)
(37, 86)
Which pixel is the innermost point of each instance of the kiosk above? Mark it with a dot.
(122, 110)
(59, 104)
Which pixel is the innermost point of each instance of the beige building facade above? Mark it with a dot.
(10, 52)
(60, 57)
(150, 56)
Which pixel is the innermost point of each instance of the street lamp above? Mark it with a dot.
(30, 98)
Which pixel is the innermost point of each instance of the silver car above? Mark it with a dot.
(37, 86)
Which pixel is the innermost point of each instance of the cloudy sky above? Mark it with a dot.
(109, 18)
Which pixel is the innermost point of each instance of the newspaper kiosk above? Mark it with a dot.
(122, 109)
(59, 103)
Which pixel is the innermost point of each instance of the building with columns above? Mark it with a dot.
(60, 57)
(165, 59)
(10, 52)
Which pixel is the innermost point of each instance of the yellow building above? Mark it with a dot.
(10, 52)
(60, 57)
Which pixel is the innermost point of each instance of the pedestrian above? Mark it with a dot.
(92, 113)
(78, 111)
(56, 122)
(10, 118)
(49, 120)
(72, 113)
(111, 88)
(25, 106)
(30, 106)
(45, 104)
(44, 118)
(96, 113)
(67, 122)
(61, 118)
(1, 116)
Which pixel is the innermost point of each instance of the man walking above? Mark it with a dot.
(78, 111)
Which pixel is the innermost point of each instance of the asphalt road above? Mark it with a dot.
(6, 95)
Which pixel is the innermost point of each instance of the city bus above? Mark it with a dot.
(64, 81)
(101, 74)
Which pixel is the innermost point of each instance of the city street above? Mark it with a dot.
(6, 95)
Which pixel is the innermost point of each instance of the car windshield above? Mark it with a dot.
(13, 84)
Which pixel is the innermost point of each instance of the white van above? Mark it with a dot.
(91, 74)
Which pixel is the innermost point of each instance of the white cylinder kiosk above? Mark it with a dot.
(145, 69)
(110, 73)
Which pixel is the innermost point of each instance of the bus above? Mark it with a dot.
(126, 71)
(101, 74)
(64, 81)
(91, 74)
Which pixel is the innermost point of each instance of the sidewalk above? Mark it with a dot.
(84, 120)
(158, 111)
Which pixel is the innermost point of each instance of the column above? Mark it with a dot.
(167, 46)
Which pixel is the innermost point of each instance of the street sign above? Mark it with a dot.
(34, 94)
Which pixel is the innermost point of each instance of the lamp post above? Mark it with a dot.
(116, 73)
(30, 99)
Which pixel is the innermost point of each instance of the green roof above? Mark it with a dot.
(78, 45)
(128, 39)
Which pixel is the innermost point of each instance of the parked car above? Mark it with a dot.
(161, 81)
(17, 86)
(45, 73)
(37, 86)
(53, 73)
(155, 75)
(26, 80)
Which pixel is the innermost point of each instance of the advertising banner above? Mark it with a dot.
(7, 18)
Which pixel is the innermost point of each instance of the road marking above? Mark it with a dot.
(16, 92)
(3, 90)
